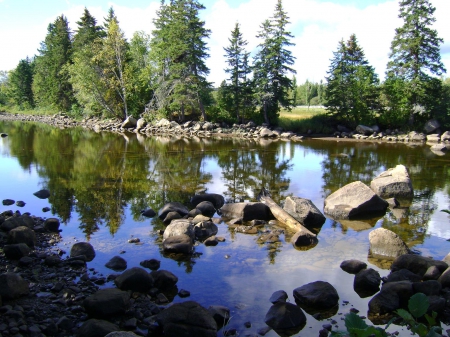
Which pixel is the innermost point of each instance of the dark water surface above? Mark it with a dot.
(99, 183)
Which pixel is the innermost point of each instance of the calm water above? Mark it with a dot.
(99, 183)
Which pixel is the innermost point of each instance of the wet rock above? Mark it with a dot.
(179, 227)
(164, 279)
(152, 264)
(107, 302)
(384, 302)
(403, 289)
(13, 286)
(285, 316)
(395, 182)
(353, 200)
(149, 213)
(52, 224)
(432, 273)
(8, 202)
(387, 244)
(96, 328)
(181, 244)
(417, 264)
(220, 313)
(211, 241)
(20, 203)
(206, 208)
(17, 221)
(83, 249)
(246, 229)
(367, 282)
(135, 279)
(172, 207)
(187, 319)
(205, 229)
(16, 251)
(216, 199)
(42, 194)
(116, 263)
(278, 296)
(403, 275)
(22, 234)
(247, 211)
(304, 211)
(317, 295)
(171, 216)
(429, 288)
(353, 266)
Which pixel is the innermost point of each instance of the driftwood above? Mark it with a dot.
(309, 238)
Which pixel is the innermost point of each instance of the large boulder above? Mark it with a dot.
(317, 295)
(385, 243)
(164, 279)
(16, 251)
(385, 302)
(187, 319)
(107, 302)
(22, 234)
(180, 244)
(247, 211)
(117, 263)
(417, 264)
(206, 208)
(135, 279)
(304, 211)
(17, 221)
(353, 266)
(52, 224)
(393, 183)
(13, 286)
(173, 207)
(216, 199)
(179, 227)
(367, 282)
(130, 122)
(83, 249)
(220, 314)
(205, 229)
(352, 200)
(285, 316)
(96, 328)
(364, 130)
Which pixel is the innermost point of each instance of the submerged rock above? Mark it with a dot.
(393, 183)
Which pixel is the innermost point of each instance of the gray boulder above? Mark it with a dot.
(278, 296)
(394, 182)
(187, 319)
(17, 221)
(181, 244)
(247, 211)
(445, 137)
(83, 249)
(431, 126)
(107, 302)
(417, 264)
(403, 275)
(353, 266)
(216, 199)
(52, 224)
(13, 286)
(152, 264)
(206, 208)
(433, 138)
(317, 295)
(304, 211)
(403, 289)
(135, 279)
(96, 328)
(22, 234)
(385, 302)
(367, 282)
(129, 123)
(385, 243)
(171, 216)
(266, 133)
(352, 200)
(413, 136)
(364, 130)
(164, 279)
(172, 207)
(117, 263)
(205, 229)
(140, 124)
(285, 316)
(179, 227)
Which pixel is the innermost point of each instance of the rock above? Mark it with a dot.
(149, 213)
(83, 249)
(164, 279)
(96, 328)
(8, 202)
(278, 296)
(206, 208)
(429, 288)
(20, 203)
(318, 295)
(434, 138)
(187, 319)
(438, 148)
(179, 227)
(16, 251)
(364, 130)
(216, 199)
(403, 275)
(353, 266)
(22, 234)
(211, 241)
(394, 182)
(42, 194)
(367, 282)
(417, 264)
(116, 263)
(107, 302)
(266, 133)
(17, 221)
(432, 273)
(205, 229)
(285, 316)
(385, 302)
(352, 200)
(385, 243)
(135, 279)
(129, 123)
(303, 239)
(13, 286)
(171, 216)
(122, 334)
(52, 225)
(304, 211)
(416, 137)
(181, 244)
(163, 122)
(220, 314)
(152, 264)
(140, 124)
(172, 207)
(445, 137)
(403, 289)
(431, 126)
(247, 211)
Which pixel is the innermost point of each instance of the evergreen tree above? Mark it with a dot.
(87, 32)
(271, 65)
(3, 87)
(352, 92)
(238, 69)
(178, 49)
(414, 59)
(51, 86)
(20, 81)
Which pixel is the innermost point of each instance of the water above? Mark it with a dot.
(99, 183)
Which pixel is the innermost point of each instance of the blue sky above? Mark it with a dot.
(317, 26)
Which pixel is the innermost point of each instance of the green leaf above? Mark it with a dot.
(353, 321)
(435, 331)
(431, 319)
(445, 210)
(405, 315)
(420, 329)
(418, 305)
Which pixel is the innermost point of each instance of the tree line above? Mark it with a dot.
(95, 70)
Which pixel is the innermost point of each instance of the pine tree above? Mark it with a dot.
(414, 59)
(238, 70)
(87, 32)
(51, 86)
(352, 91)
(271, 65)
(20, 81)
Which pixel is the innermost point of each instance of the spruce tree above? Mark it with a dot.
(51, 84)
(87, 32)
(20, 81)
(272, 63)
(352, 91)
(414, 60)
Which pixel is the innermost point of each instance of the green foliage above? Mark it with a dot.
(19, 90)
(316, 124)
(3, 87)
(352, 92)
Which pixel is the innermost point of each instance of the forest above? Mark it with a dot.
(95, 71)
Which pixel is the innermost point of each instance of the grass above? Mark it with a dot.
(302, 113)
(303, 120)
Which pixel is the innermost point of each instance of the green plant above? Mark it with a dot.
(356, 327)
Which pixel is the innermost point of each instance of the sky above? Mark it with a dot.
(317, 27)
